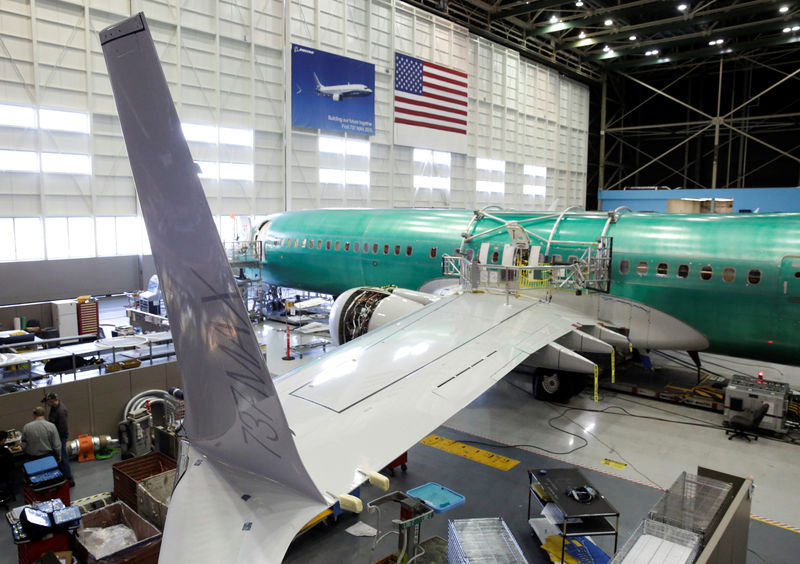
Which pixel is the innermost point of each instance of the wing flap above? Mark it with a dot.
(222, 514)
(488, 340)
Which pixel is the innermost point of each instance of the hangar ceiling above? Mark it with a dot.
(587, 38)
(685, 94)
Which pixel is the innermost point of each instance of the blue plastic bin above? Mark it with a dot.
(437, 497)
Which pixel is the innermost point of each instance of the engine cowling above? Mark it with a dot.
(360, 310)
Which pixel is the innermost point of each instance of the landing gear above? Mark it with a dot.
(549, 385)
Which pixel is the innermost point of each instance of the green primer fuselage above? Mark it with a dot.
(749, 306)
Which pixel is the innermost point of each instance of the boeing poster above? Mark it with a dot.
(332, 92)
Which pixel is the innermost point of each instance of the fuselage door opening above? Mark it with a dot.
(790, 279)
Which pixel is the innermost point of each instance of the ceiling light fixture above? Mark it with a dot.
(579, 3)
(553, 19)
(606, 48)
(682, 7)
(609, 22)
(787, 29)
(783, 9)
(716, 42)
(582, 35)
(632, 38)
(652, 52)
(796, 28)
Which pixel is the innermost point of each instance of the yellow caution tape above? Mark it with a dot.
(613, 463)
(613, 366)
(470, 452)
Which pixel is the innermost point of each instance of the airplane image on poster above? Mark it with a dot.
(332, 92)
(339, 91)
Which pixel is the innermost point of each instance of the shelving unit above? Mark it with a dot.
(594, 518)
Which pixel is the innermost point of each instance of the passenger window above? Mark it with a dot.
(374, 248)
(728, 274)
(642, 267)
(683, 271)
(355, 248)
(346, 246)
(275, 243)
(311, 243)
(754, 276)
(327, 245)
(662, 269)
(706, 272)
(303, 243)
(296, 242)
(624, 266)
(409, 250)
(495, 257)
(337, 245)
(366, 247)
(319, 244)
(397, 250)
(386, 249)
(433, 252)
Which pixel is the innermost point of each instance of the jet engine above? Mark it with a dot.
(360, 310)
(337, 97)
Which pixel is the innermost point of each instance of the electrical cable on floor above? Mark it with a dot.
(757, 555)
(625, 412)
(653, 407)
(550, 423)
(615, 452)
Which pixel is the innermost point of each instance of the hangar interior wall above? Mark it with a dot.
(227, 63)
(95, 404)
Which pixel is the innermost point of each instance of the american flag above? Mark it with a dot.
(429, 96)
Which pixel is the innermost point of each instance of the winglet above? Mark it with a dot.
(233, 413)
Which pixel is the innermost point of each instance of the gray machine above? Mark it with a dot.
(748, 393)
(134, 433)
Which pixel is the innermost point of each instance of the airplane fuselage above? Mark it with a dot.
(340, 91)
(734, 278)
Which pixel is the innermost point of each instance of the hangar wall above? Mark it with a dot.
(227, 63)
(95, 404)
(34, 281)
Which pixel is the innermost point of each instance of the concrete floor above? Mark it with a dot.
(655, 441)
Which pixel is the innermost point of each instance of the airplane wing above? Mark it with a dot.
(353, 411)
(264, 459)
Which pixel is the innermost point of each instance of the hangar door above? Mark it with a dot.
(790, 279)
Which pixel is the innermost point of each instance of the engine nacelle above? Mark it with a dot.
(360, 310)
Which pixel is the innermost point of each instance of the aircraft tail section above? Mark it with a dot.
(233, 413)
(316, 80)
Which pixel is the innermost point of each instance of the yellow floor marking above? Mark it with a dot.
(613, 463)
(470, 453)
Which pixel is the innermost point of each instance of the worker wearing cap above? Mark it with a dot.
(58, 417)
(40, 437)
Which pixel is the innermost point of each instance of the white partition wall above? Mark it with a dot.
(64, 170)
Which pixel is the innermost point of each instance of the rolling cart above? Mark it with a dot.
(409, 526)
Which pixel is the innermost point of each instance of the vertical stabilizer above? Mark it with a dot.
(316, 79)
(232, 410)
